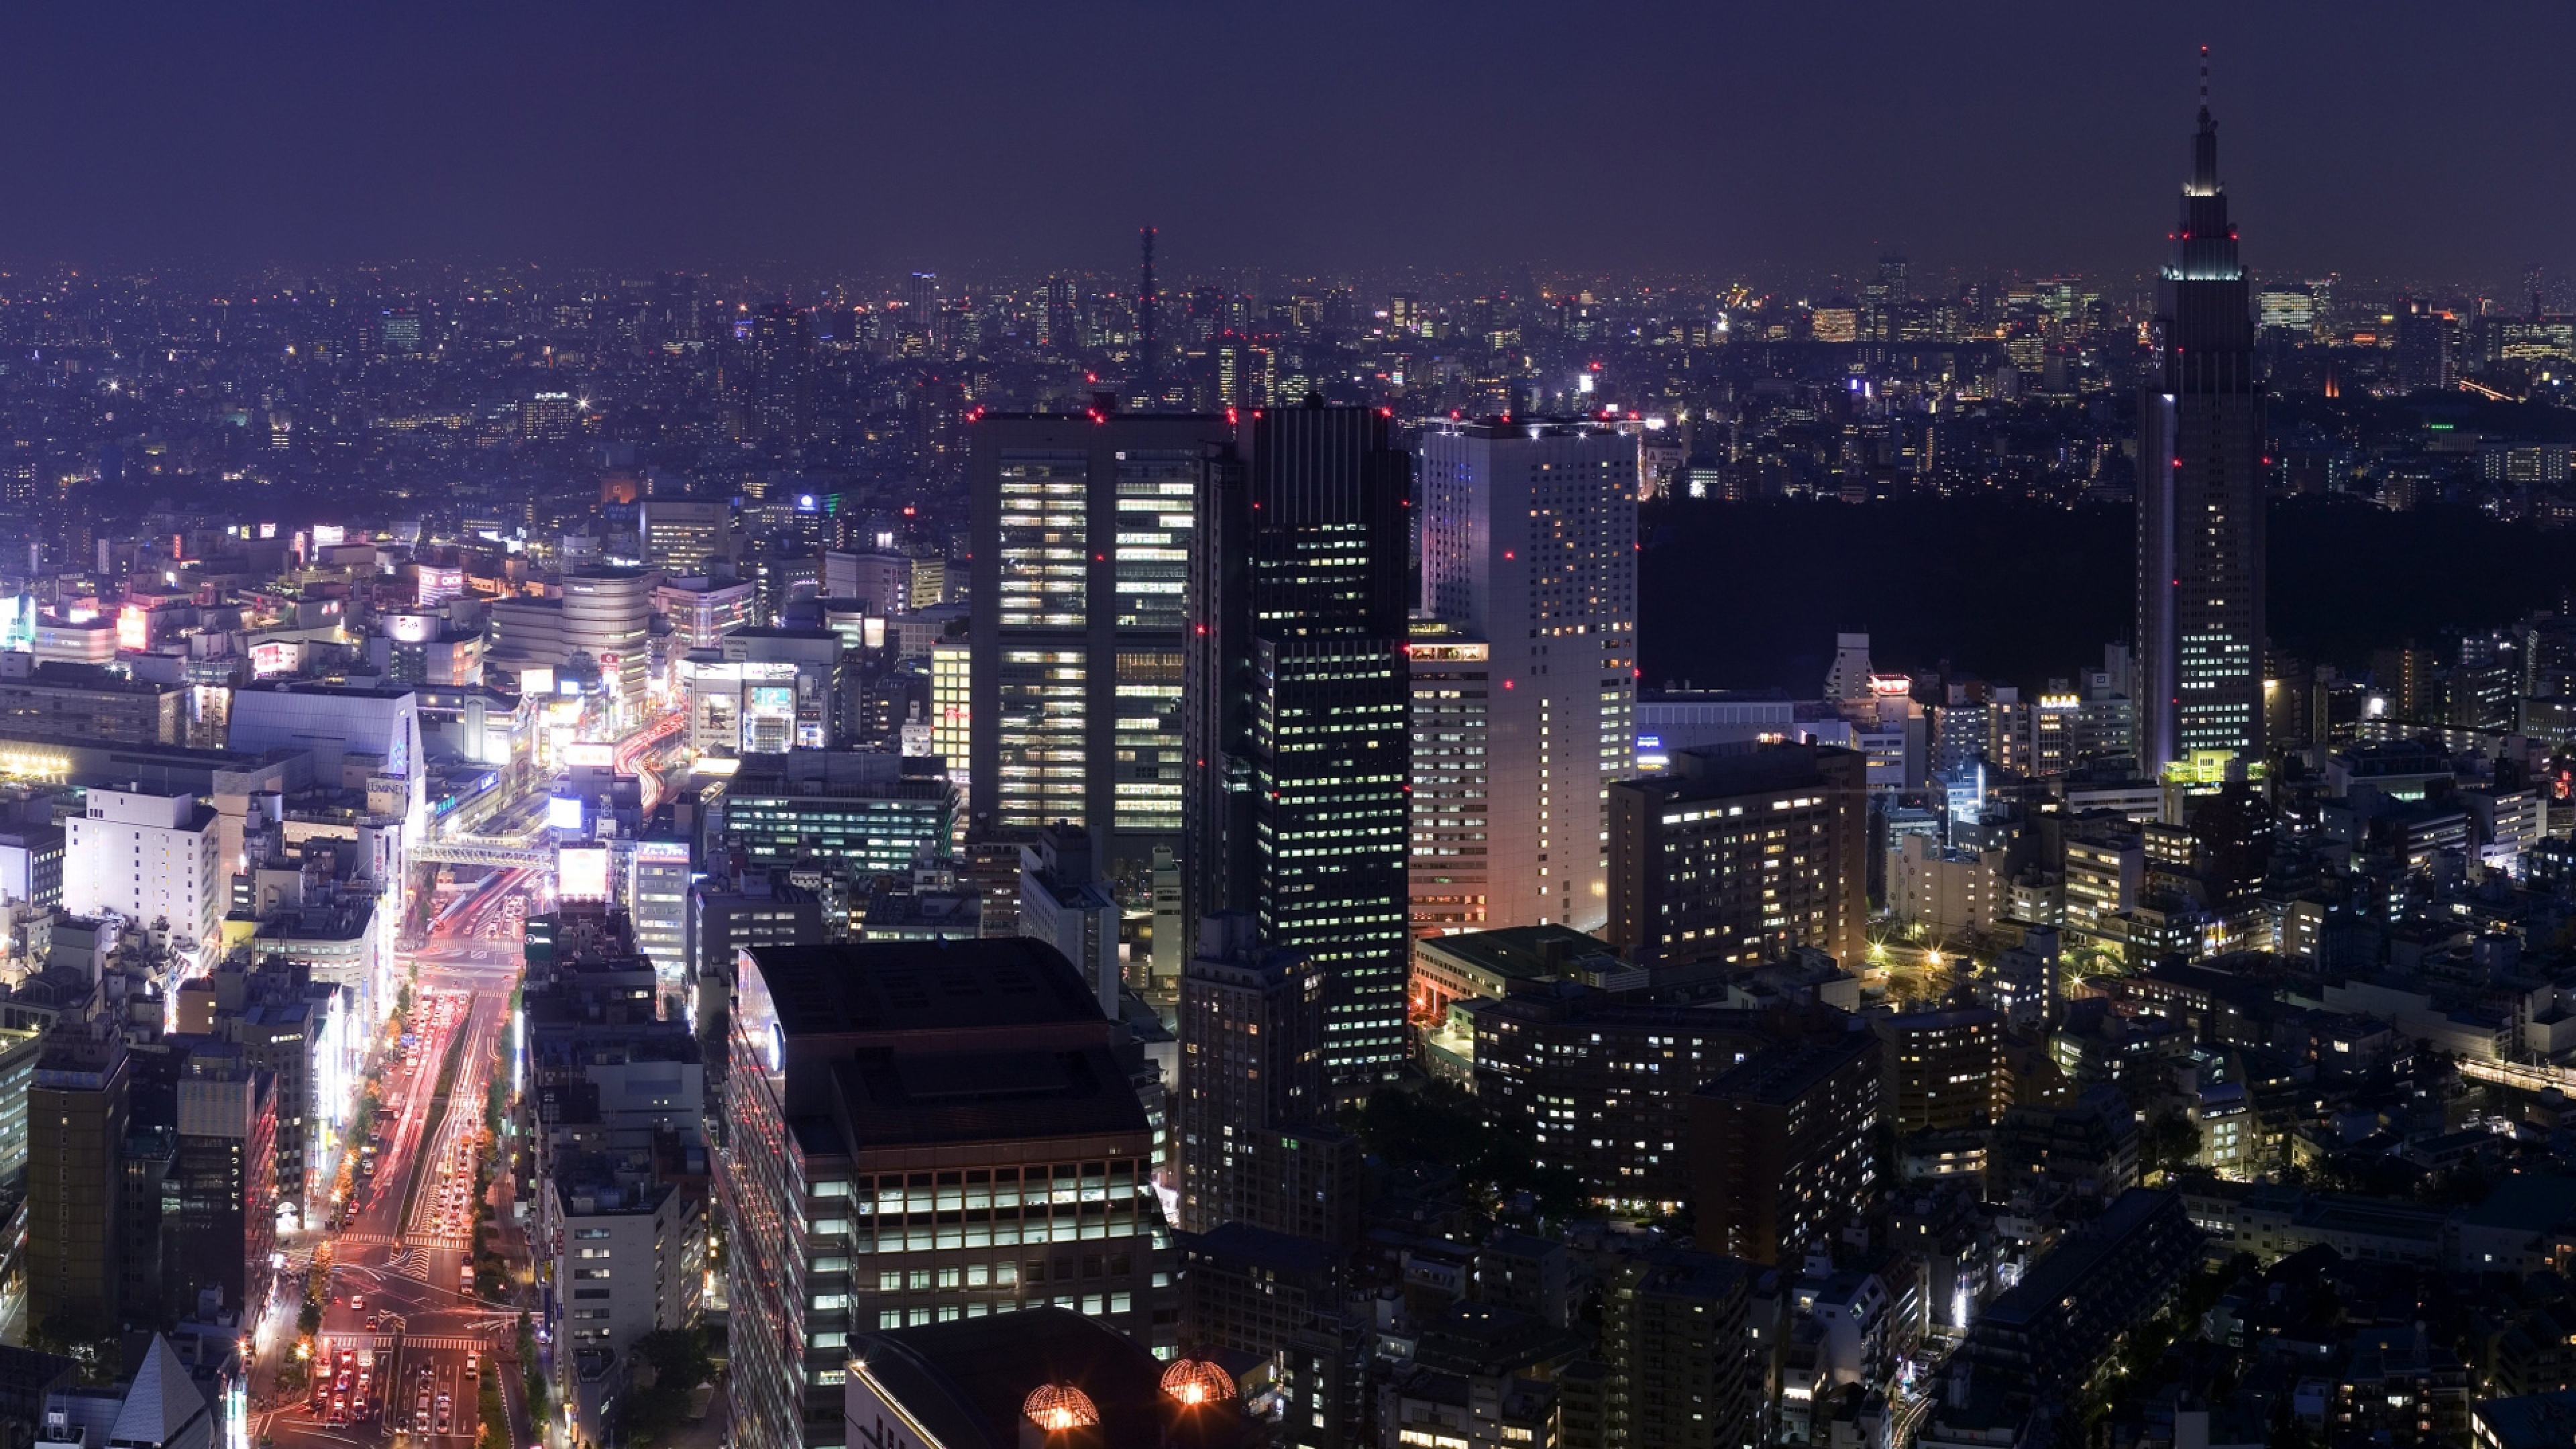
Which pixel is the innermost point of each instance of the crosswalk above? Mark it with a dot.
(335, 1342)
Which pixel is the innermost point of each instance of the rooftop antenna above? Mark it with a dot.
(2204, 82)
(1145, 323)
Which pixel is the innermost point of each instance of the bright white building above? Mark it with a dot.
(153, 858)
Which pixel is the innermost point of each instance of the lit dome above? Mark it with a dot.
(1196, 1381)
(1058, 1407)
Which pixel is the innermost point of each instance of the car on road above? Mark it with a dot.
(357, 1301)
(473, 1364)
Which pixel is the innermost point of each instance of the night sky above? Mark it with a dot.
(2398, 140)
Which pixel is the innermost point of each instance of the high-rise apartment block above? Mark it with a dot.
(1529, 542)
(1680, 1357)
(1739, 852)
(1254, 1118)
(1082, 536)
(1300, 753)
(2200, 497)
(1783, 1147)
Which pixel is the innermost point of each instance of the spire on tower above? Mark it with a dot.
(2204, 146)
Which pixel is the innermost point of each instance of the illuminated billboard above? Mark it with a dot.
(562, 814)
(581, 873)
(594, 753)
(277, 656)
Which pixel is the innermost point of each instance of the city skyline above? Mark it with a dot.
(1169, 853)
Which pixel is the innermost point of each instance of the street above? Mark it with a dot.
(406, 1340)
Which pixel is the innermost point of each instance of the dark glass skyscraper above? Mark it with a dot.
(1297, 691)
(2200, 496)
(1082, 530)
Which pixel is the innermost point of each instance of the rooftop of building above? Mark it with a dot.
(588, 1184)
(336, 689)
(888, 986)
(1518, 953)
(1714, 772)
(2529, 1421)
(20, 739)
(1785, 1073)
(2066, 1269)
(1559, 425)
(1488, 1340)
(967, 1382)
(981, 1096)
(1241, 1244)
(95, 678)
(2527, 1202)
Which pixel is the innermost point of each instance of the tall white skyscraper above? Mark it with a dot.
(1529, 543)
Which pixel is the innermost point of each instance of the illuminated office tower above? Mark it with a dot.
(2200, 496)
(681, 534)
(1299, 749)
(1529, 541)
(1082, 530)
(1452, 681)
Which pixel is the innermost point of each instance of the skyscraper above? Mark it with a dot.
(2200, 495)
(1529, 542)
(1297, 689)
(1257, 1144)
(782, 375)
(1451, 858)
(1082, 530)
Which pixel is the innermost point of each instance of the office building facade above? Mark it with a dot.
(1529, 542)
(1301, 750)
(1082, 536)
(1450, 859)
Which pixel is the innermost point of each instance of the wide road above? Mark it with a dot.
(404, 1319)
